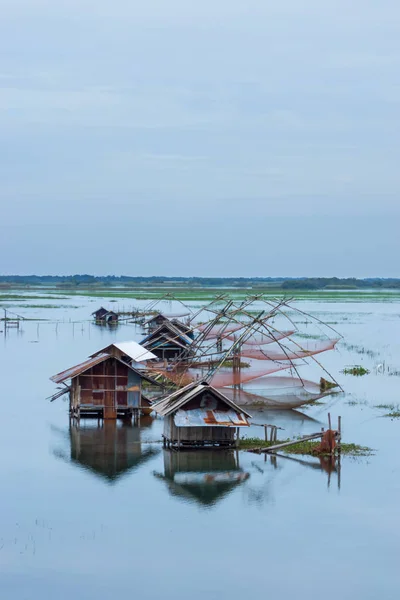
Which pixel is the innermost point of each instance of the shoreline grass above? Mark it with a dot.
(195, 293)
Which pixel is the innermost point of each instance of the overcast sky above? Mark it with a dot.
(218, 137)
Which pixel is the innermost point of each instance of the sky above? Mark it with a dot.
(213, 138)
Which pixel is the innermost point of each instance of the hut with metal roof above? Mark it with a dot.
(103, 316)
(104, 386)
(168, 342)
(199, 415)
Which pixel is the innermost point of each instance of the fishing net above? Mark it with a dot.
(220, 330)
(263, 339)
(278, 393)
(286, 353)
(221, 378)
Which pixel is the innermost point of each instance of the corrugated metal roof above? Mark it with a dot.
(132, 349)
(166, 340)
(202, 417)
(80, 368)
(91, 362)
(178, 399)
(164, 331)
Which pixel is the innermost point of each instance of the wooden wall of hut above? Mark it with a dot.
(198, 436)
(106, 388)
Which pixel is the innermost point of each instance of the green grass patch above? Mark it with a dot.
(305, 448)
(356, 370)
(229, 363)
(202, 293)
(357, 403)
(394, 410)
(6, 297)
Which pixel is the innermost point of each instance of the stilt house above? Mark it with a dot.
(168, 341)
(154, 322)
(108, 384)
(103, 316)
(200, 415)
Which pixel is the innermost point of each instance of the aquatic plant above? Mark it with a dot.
(243, 365)
(393, 408)
(305, 448)
(356, 370)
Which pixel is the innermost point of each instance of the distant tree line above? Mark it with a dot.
(302, 283)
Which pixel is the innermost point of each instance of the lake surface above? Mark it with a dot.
(95, 512)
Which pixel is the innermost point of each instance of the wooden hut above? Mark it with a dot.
(103, 316)
(204, 477)
(168, 342)
(186, 329)
(155, 321)
(104, 386)
(199, 415)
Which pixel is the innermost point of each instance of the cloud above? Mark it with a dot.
(273, 108)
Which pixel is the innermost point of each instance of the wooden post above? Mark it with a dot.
(339, 434)
(266, 432)
(329, 421)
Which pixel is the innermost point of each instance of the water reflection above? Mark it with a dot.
(110, 449)
(204, 477)
(271, 471)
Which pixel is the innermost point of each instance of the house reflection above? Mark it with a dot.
(109, 450)
(202, 476)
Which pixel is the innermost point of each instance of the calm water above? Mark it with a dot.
(97, 512)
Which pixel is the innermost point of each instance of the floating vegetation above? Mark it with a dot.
(325, 385)
(45, 306)
(308, 336)
(360, 350)
(230, 363)
(356, 370)
(305, 448)
(393, 408)
(357, 403)
(27, 297)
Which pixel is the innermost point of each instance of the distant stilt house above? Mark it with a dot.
(205, 477)
(186, 329)
(154, 322)
(107, 385)
(168, 341)
(199, 415)
(103, 316)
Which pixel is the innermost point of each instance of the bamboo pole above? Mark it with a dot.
(285, 444)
